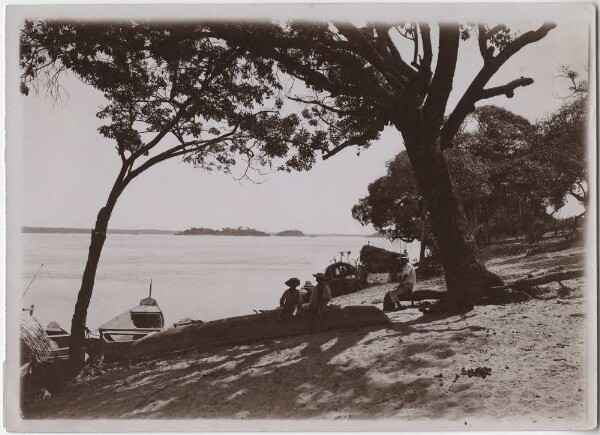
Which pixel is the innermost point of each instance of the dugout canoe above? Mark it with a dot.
(252, 328)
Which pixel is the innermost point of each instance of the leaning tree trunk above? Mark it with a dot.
(78, 323)
(467, 280)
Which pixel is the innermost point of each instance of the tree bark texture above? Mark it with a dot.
(423, 233)
(466, 278)
(486, 220)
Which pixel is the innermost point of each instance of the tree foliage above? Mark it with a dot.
(510, 170)
(177, 83)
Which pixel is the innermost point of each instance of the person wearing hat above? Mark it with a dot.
(408, 278)
(307, 288)
(320, 295)
(291, 300)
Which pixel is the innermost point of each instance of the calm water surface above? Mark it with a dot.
(203, 277)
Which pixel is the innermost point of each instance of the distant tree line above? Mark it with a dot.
(512, 176)
(290, 233)
(239, 231)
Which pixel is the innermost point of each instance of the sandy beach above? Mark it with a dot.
(519, 362)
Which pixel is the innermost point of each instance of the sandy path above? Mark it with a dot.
(535, 351)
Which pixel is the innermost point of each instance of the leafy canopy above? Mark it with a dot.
(182, 84)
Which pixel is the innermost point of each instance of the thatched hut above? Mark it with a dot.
(35, 344)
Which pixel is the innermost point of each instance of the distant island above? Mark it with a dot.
(290, 233)
(64, 230)
(224, 232)
(191, 232)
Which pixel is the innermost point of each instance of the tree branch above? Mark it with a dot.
(425, 66)
(507, 89)
(178, 151)
(265, 44)
(383, 32)
(369, 52)
(320, 104)
(416, 47)
(475, 91)
(520, 42)
(441, 84)
(360, 139)
(482, 40)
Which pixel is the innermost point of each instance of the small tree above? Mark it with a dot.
(172, 91)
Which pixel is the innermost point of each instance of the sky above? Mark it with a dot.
(66, 168)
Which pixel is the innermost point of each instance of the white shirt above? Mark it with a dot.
(408, 275)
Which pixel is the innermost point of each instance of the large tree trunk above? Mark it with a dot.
(466, 277)
(486, 220)
(78, 323)
(423, 233)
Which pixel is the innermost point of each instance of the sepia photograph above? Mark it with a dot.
(300, 217)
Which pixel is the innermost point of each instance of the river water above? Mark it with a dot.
(202, 277)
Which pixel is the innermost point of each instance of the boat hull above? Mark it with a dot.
(252, 328)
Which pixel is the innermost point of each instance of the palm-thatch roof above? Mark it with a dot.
(35, 344)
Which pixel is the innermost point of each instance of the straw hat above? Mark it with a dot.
(293, 282)
(308, 285)
(320, 275)
(403, 257)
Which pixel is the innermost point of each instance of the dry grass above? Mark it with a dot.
(34, 341)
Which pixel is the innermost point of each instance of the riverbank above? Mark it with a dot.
(522, 363)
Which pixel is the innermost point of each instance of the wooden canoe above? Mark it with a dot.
(59, 340)
(252, 328)
(117, 335)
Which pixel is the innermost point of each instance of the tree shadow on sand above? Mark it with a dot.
(363, 373)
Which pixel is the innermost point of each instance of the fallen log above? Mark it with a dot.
(527, 283)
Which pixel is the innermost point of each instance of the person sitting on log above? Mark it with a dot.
(408, 278)
(291, 300)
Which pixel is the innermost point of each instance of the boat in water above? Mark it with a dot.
(118, 334)
(252, 328)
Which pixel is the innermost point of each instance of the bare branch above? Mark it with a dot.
(507, 89)
(416, 47)
(475, 91)
(427, 51)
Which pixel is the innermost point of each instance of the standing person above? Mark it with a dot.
(408, 278)
(319, 298)
(291, 300)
